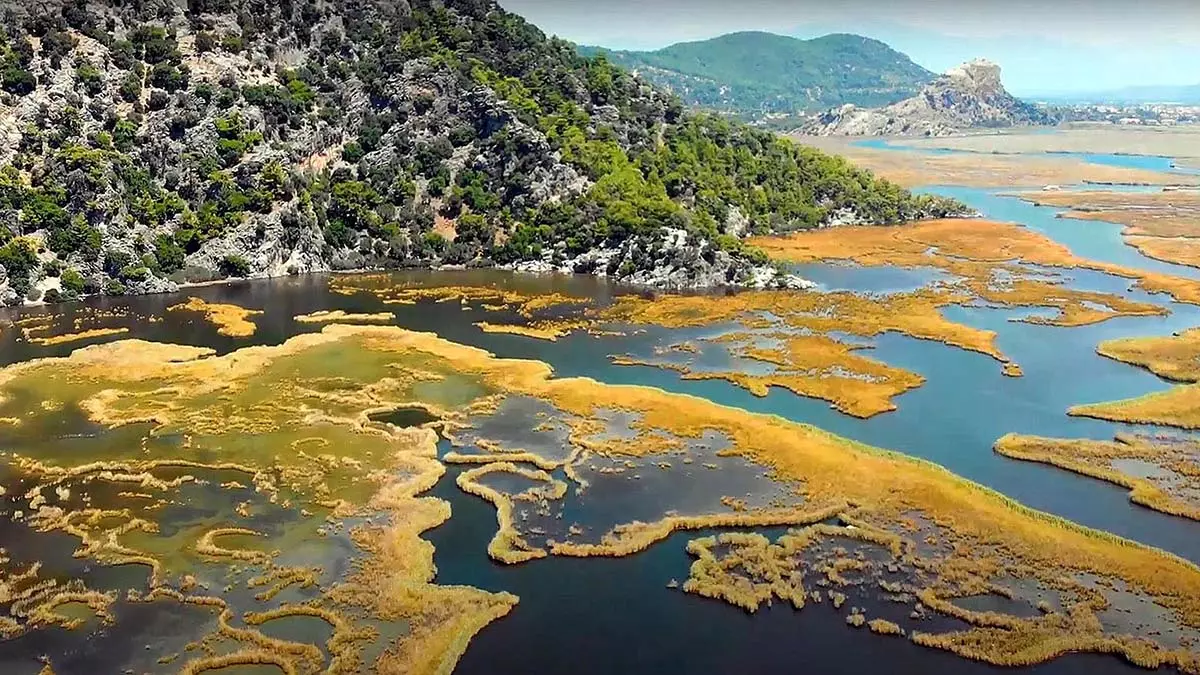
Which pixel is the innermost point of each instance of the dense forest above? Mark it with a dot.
(754, 74)
(145, 144)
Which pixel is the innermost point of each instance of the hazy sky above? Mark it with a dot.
(1042, 45)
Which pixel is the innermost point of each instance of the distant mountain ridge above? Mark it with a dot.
(969, 96)
(756, 73)
(1181, 94)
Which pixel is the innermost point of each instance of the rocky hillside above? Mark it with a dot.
(753, 74)
(970, 96)
(146, 144)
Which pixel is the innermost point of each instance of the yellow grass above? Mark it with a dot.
(1176, 357)
(75, 337)
(338, 315)
(259, 394)
(507, 545)
(1178, 251)
(342, 644)
(1176, 407)
(987, 534)
(1095, 459)
(884, 627)
(752, 570)
(1181, 142)
(713, 577)
(1162, 225)
(637, 536)
(230, 320)
(975, 249)
(548, 330)
(207, 545)
(808, 361)
(387, 289)
(913, 169)
(244, 657)
(812, 365)
(280, 578)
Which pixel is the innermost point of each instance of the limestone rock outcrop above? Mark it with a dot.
(968, 96)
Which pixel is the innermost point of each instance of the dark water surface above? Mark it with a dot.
(616, 615)
(596, 616)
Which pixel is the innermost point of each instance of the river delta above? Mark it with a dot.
(971, 447)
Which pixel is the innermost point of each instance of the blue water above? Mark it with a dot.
(603, 616)
(873, 280)
(944, 421)
(1148, 162)
(1093, 239)
(953, 420)
(596, 616)
(886, 144)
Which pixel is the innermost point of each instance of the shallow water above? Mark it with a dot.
(1126, 161)
(404, 417)
(873, 280)
(1093, 239)
(614, 615)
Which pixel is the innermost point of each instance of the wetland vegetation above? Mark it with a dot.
(1160, 472)
(987, 169)
(288, 430)
(279, 478)
(230, 320)
(1163, 225)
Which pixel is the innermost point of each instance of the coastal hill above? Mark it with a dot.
(969, 96)
(755, 73)
(143, 145)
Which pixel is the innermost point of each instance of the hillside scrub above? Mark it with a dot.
(330, 135)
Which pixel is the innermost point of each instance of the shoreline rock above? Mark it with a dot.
(764, 278)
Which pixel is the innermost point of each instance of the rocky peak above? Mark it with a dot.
(970, 95)
(974, 90)
(978, 74)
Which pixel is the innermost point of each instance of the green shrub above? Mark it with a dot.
(232, 43)
(19, 258)
(42, 211)
(115, 261)
(169, 77)
(205, 41)
(352, 152)
(76, 236)
(131, 87)
(90, 78)
(72, 280)
(435, 243)
(233, 139)
(352, 206)
(169, 254)
(134, 273)
(17, 80)
(234, 266)
(472, 227)
(124, 134)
